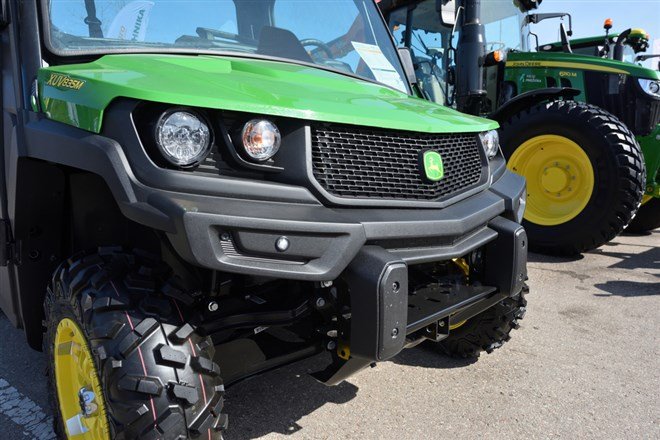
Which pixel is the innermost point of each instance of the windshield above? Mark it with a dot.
(347, 36)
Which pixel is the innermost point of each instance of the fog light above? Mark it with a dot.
(183, 138)
(261, 139)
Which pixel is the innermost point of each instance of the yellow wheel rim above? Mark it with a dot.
(647, 198)
(76, 378)
(560, 178)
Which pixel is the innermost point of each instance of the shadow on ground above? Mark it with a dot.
(647, 259)
(276, 401)
(627, 289)
(427, 355)
(540, 258)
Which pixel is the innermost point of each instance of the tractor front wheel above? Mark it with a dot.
(647, 218)
(585, 174)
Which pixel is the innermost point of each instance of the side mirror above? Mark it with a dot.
(408, 65)
(4, 14)
(447, 11)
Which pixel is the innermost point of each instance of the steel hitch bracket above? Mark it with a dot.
(378, 285)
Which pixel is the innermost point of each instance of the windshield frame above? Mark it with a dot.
(70, 56)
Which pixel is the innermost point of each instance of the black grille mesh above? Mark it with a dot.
(363, 163)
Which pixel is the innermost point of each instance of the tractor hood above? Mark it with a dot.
(78, 94)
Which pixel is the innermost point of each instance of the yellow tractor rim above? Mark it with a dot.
(560, 178)
(647, 198)
(78, 388)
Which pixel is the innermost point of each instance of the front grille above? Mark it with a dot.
(364, 163)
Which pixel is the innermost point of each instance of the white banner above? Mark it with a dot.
(131, 22)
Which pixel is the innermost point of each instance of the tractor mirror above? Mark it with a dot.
(447, 11)
(408, 65)
(4, 14)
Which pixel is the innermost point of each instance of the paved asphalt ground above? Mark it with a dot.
(584, 364)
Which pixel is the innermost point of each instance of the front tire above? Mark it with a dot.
(585, 174)
(488, 330)
(152, 374)
(647, 218)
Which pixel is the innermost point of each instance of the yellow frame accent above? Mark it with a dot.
(565, 65)
(75, 369)
(560, 178)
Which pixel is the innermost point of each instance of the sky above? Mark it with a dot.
(589, 15)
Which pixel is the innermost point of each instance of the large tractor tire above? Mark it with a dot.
(585, 174)
(124, 362)
(647, 218)
(486, 331)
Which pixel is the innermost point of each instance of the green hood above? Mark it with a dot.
(78, 94)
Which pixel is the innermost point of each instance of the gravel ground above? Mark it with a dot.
(584, 364)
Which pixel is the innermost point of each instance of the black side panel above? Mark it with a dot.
(511, 244)
(38, 226)
(378, 283)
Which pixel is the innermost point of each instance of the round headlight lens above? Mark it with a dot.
(261, 139)
(491, 142)
(184, 138)
(652, 87)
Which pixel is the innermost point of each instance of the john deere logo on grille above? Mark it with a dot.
(433, 167)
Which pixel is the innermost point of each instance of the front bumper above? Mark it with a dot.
(242, 236)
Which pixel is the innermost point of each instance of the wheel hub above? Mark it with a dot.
(79, 390)
(560, 178)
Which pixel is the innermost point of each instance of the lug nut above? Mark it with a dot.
(395, 332)
(396, 286)
(225, 236)
(326, 284)
(441, 324)
(213, 306)
(332, 345)
(320, 302)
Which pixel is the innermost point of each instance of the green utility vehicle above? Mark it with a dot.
(570, 123)
(197, 192)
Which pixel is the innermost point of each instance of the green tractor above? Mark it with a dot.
(628, 46)
(571, 124)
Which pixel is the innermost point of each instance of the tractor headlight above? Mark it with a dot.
(650, 86)
(491, 143)
(183, 138)
(261, 139)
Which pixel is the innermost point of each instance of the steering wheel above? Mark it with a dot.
(320, 44)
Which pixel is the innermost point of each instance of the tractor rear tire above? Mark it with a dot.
(488, 330)
(153, 370)
(647, 218)
(598, 179)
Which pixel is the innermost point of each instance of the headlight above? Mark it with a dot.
(491, 142)
(650, 86)
(183, 138)
(261, 139)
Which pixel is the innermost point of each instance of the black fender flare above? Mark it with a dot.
(531, 98)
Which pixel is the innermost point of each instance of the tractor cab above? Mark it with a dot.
(625, 46)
